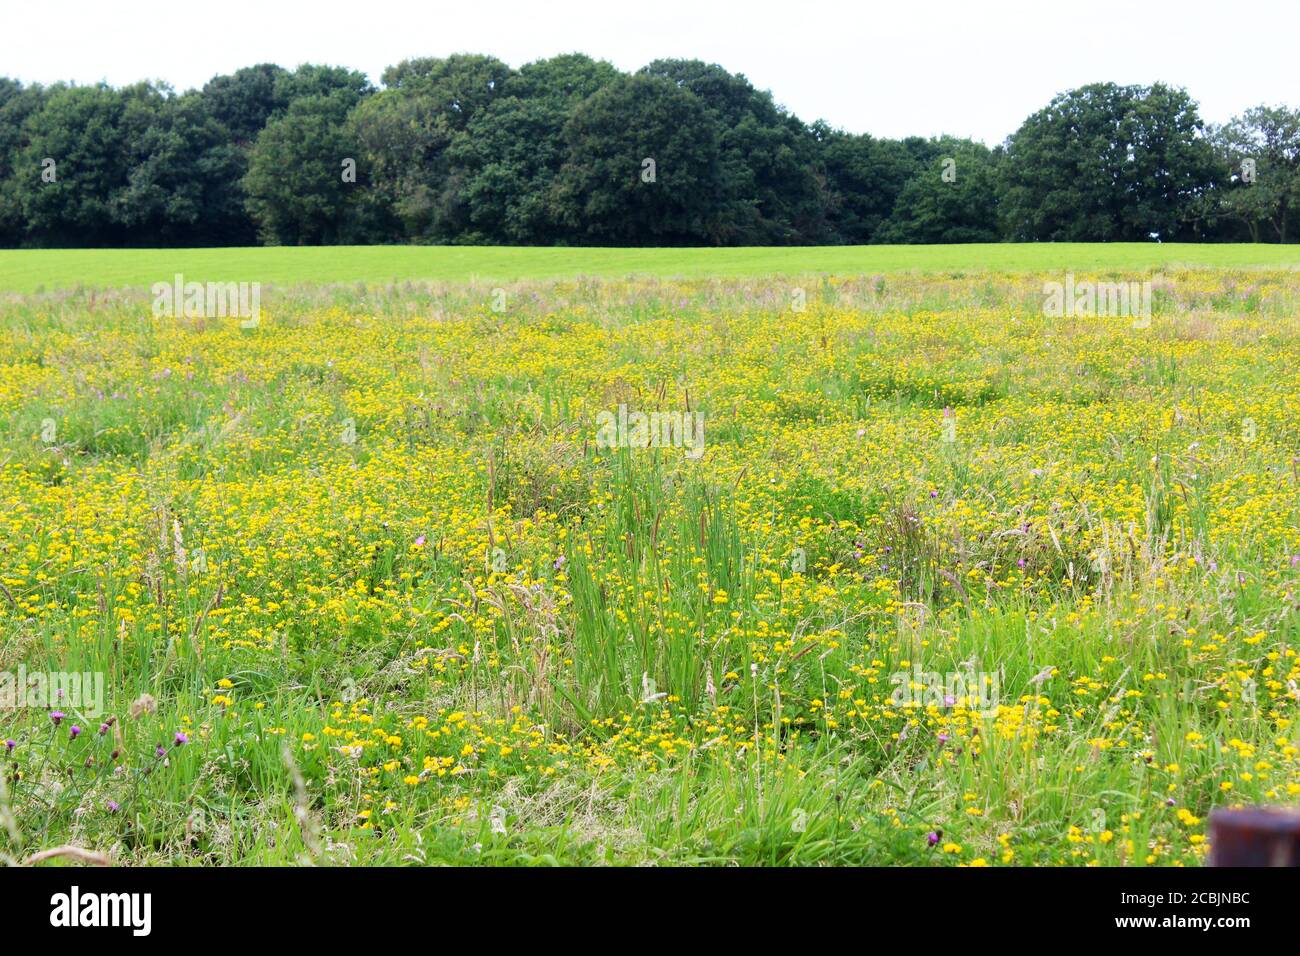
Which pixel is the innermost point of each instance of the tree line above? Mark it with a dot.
(572, 151)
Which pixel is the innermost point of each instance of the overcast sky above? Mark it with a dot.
(891, 69)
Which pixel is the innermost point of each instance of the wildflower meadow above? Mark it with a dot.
(949, 569)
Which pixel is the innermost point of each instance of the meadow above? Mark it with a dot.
(39, 270)
(951, 582)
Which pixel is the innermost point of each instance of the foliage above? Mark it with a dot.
(1269, 139)
(1106, 163)
(467, 150)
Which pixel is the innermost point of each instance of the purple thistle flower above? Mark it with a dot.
(57, 716)
(10, 745)
(103, 729)
(932, 838)
(74, 732)
(181, 739)
(113, 806)
(160, 751)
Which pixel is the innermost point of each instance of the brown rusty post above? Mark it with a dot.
(1255, 836)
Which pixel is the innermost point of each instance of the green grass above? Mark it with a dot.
(363, 586)
(27, 271)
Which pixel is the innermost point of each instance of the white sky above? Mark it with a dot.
(893, 68)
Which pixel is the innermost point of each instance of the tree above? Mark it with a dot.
(295, 183)
(514, 147)
(348, 87)
(406, 131)
(864, 177)
(1107, 163)
(183, 181)
(952, 198)
(508, 161)
(1260, 155)
(297, 189)
(244, 101)
(17, 104)
(565, 80)
(772, 193)
(642, 167)
(79, 129)
(464, 149)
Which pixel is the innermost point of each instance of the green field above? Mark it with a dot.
(32, 270)
(923, 576)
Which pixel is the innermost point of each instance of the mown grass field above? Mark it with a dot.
(28, 271)
(952, 582)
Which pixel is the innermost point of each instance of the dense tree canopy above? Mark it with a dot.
(569, 150)
(72, 166)
(642, 167)
(953, 197)
(1261, 181)
(770, 191)
(1107, 163)
(243, 101)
